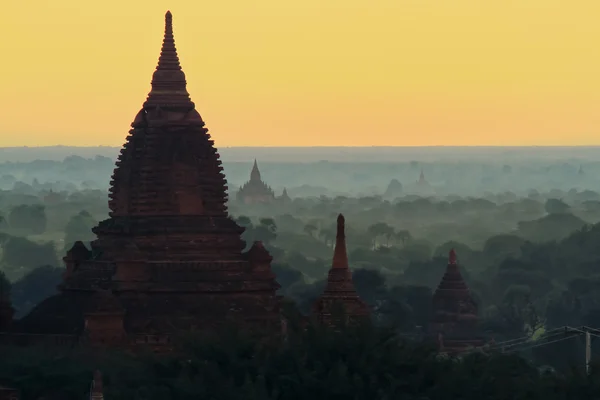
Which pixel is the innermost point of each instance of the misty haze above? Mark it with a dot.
(235, 241)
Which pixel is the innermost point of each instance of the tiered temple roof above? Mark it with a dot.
(169, 257)
(454, 319)
(340, 298)
(285, 197)
(422, 179)
(255, 190)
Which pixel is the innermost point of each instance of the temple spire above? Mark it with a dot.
(454, 316)
(452, 257)
(168, 81)
(340, 255)
(255, 173)
(340, 290)
(452, 278)
(422, 176)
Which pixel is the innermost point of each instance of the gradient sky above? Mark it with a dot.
(309, 72)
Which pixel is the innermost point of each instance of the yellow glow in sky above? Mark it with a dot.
(309, 72)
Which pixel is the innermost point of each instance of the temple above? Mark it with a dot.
(422, 186)
(340, 300)
(285, 197)
(255, 191)
(422, 180)
(52, 198)
(393, 190)
(169, 258)
(454, 320)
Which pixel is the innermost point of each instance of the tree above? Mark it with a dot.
(79, 227)
(28, 219)
(244, 221)
(550, 227)
(516, 315)
(289, 223)
(310, 229)
(39, 284)
(403, 236)
(328, 236)
(363, 362)
(22, 255)
(370, 285)
(556, 206)
(286, 276)
(526, 274)
(380, 229)
(265, 231)
(500, 247)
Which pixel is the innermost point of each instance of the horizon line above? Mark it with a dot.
(332, 147)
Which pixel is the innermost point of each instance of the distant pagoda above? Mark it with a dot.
(454, 320)
(52, 198)
(422, 182)
(340, 298)
(394, 189)
(255, 191)
(422, 187)
(169, 258)
(285, 197)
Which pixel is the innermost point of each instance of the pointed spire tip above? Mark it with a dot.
(340, 257)
(341, 222)
(452, 257)
(168, 21)
(168, 81)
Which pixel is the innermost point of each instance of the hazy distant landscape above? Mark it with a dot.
(497, 154)
(333, 171)
(397, 215)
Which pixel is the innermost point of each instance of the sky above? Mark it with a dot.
(308, 72)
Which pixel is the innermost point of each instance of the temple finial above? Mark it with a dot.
(341, 226)
(452, 257)
(340, 255)
(168, 81)
(255, 173)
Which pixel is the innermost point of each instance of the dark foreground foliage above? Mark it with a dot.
(364, 363)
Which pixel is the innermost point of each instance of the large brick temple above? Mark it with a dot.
(169, 258)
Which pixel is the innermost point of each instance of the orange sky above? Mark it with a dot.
(310, 72)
